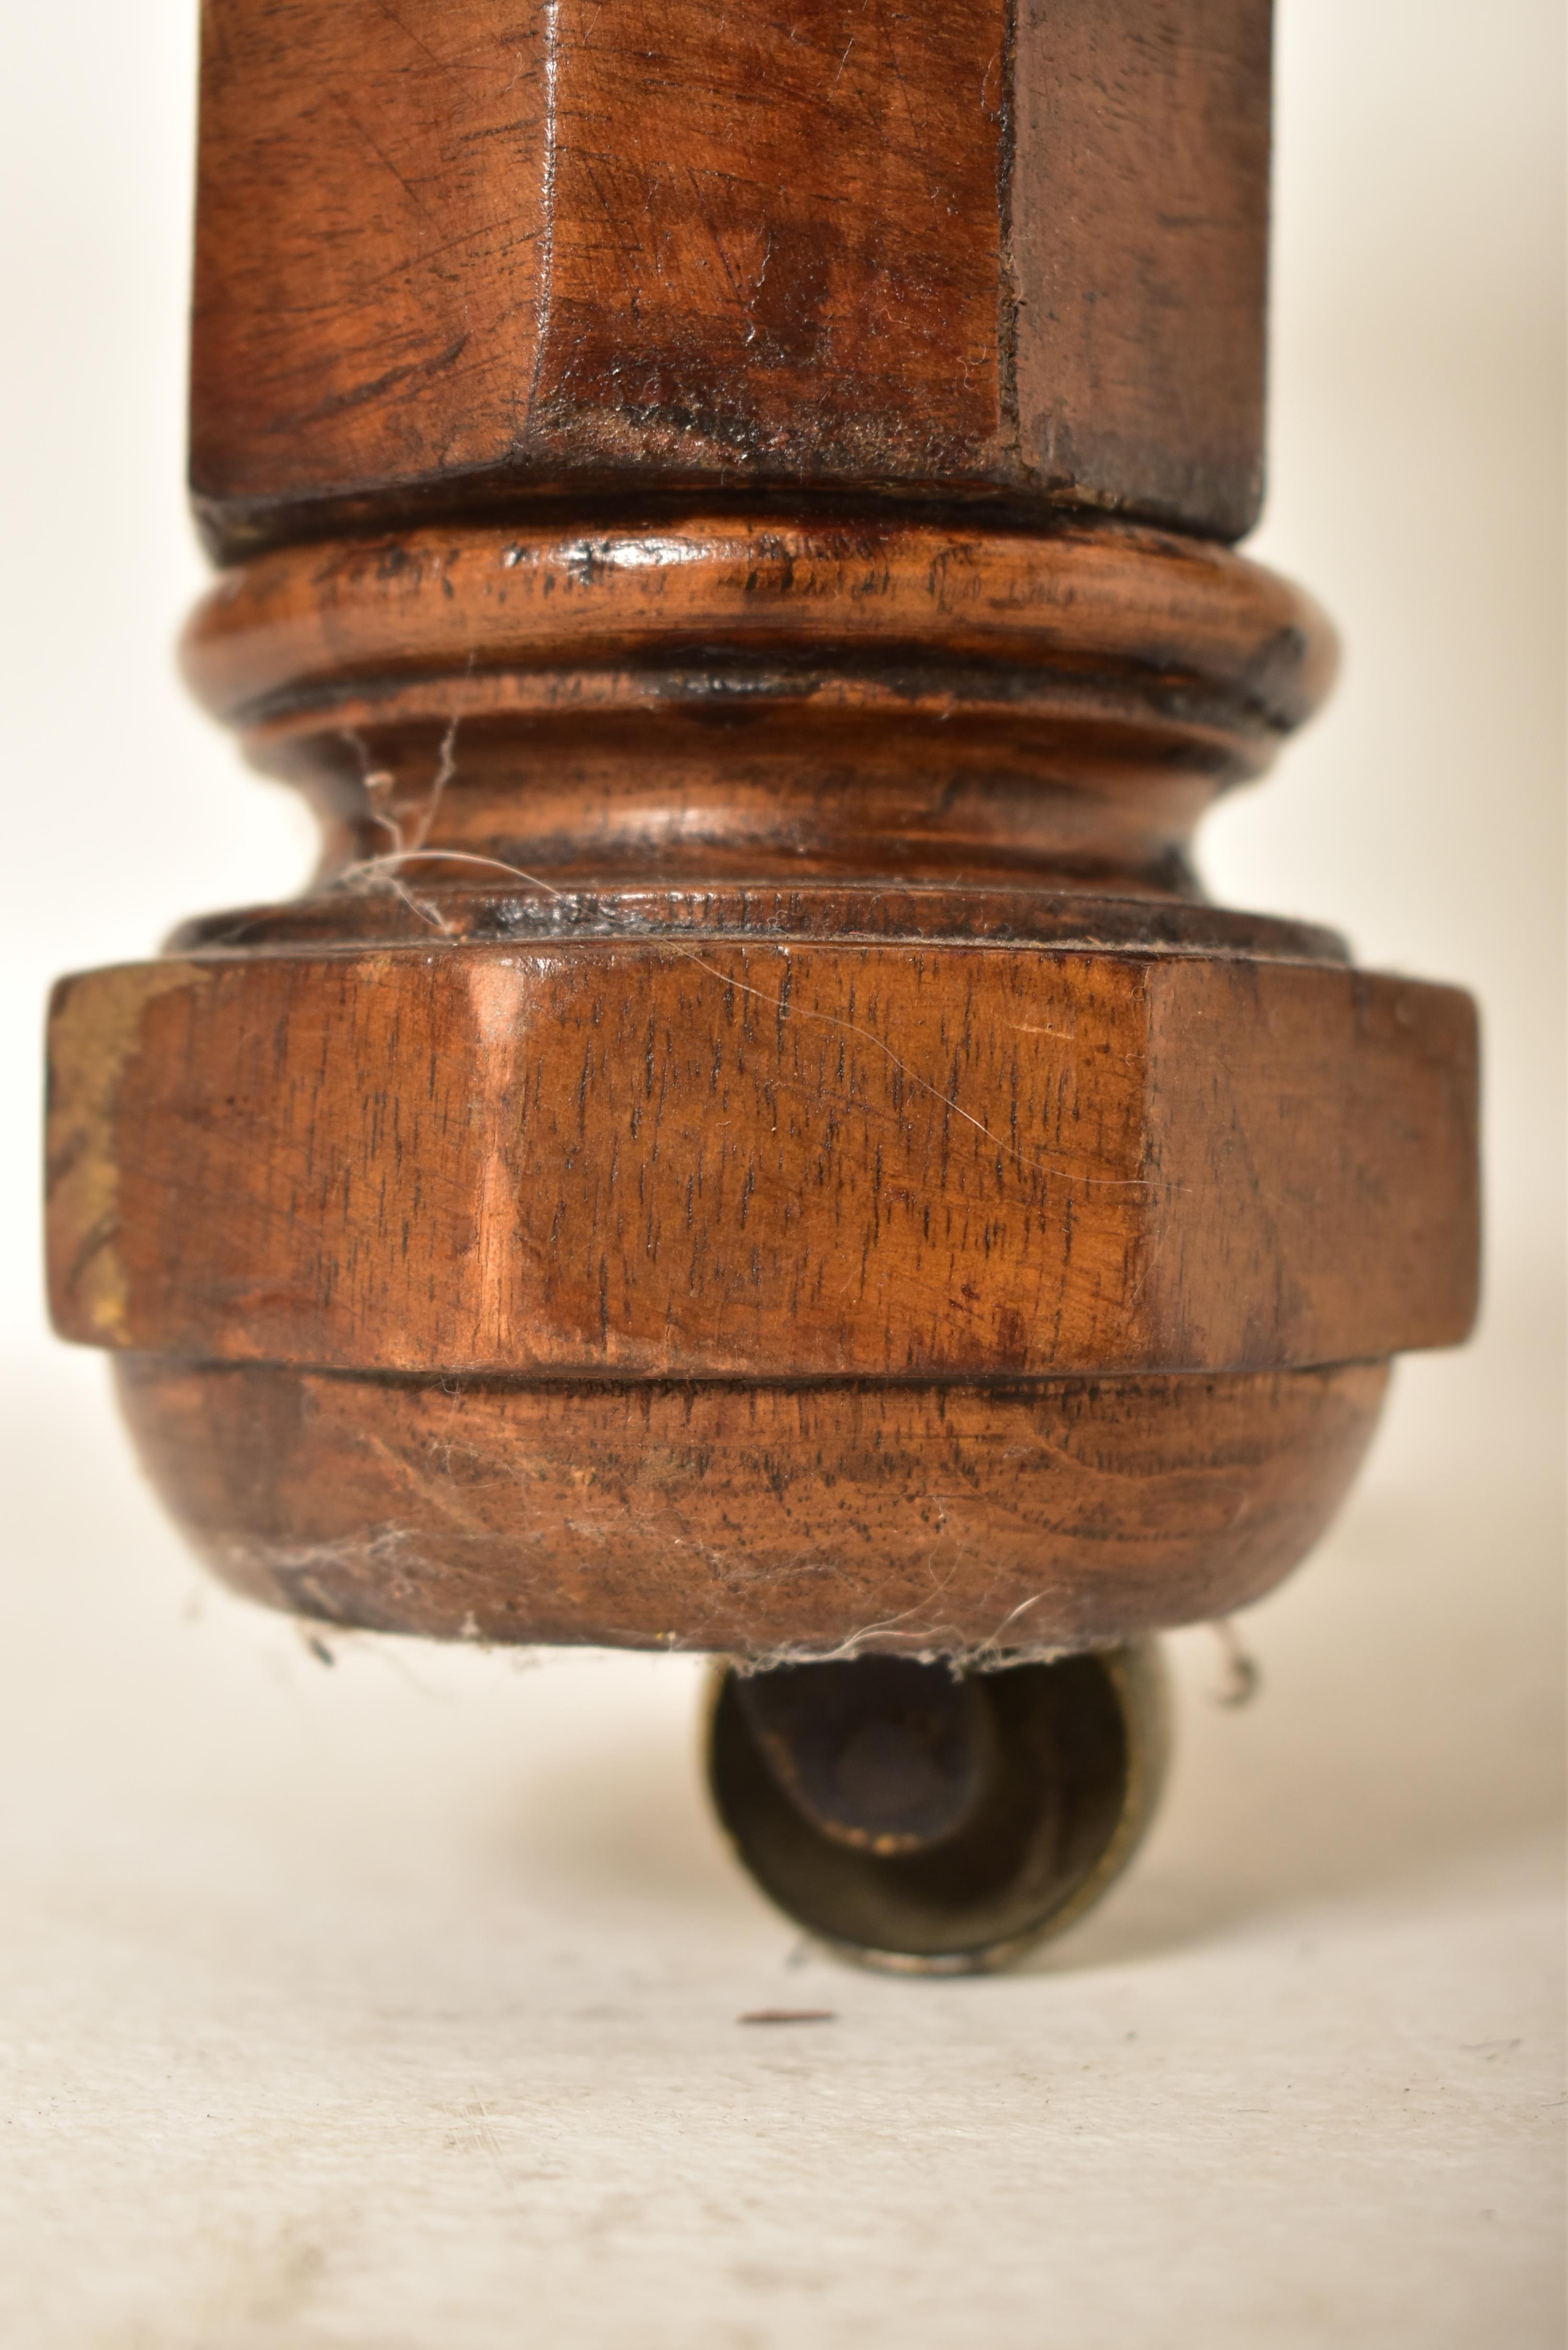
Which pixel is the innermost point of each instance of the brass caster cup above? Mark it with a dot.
(925, 1819)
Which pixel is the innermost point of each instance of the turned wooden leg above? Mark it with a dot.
(754, 1141)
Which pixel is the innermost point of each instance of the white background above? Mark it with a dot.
(395, 2006)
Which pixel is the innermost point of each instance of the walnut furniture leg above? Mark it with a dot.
(754, 1139)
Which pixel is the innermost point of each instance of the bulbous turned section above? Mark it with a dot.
(725, 701)
(748, 1518)
(932, 1821)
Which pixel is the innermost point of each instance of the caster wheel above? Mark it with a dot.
(929, 1820)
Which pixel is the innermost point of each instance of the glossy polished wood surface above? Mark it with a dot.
(915, 606)
(456, 253)
(728, 698)
(751, 1519)
(935, 1161)
(752, 1135)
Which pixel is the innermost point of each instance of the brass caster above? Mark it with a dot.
(926, 1819)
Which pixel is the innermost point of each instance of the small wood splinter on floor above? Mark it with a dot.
(788, 2015)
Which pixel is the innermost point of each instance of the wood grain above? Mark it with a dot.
(879, 1162)
(452, 253)
(752, 1137)
(1140, 226)
(731, 699)
(752, 1518)
(1144, 606)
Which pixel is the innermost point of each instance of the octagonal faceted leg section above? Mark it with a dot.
(786, 1161)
